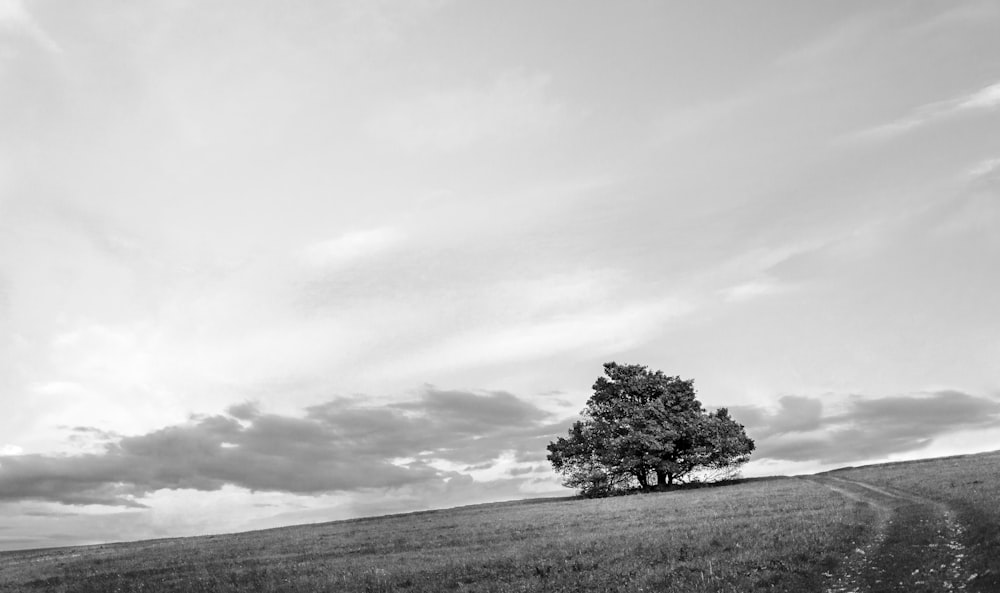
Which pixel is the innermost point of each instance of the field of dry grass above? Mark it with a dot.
(970, 486)
(872, 528)
(773, 535)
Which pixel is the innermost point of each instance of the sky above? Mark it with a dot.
(267, 263)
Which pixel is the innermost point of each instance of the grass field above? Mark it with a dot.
(968, 484)
(780, 534)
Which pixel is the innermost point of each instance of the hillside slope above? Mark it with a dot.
(780, 534)
(948, 519)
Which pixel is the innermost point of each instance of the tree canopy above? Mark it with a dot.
(640, 426)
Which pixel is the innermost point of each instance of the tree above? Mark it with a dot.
(641, 424)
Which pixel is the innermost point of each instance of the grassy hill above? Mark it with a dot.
(777, 534)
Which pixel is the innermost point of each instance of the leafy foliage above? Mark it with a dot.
(641, 424)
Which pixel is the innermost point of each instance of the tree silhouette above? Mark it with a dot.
(641, 425)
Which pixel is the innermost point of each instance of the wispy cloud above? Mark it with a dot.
(752, 289)
(600, 330)
(987, 98)
(837, 40)
(514, 104)
(680, 124)
(983, 168)
(958, 15)
(984, 99)
(14, 16)
(351, 247)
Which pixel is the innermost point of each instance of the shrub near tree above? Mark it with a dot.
(643, 428)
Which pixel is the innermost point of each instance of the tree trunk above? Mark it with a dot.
(664, 479)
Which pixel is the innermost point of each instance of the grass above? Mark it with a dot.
(774, 535)
(778, 534)
(969, 484)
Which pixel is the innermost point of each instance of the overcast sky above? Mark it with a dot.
(264, 263)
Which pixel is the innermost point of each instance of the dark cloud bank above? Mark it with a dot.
(341, 445)
(344, 445)
(867, 428)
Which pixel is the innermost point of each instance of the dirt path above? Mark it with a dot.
(916, 546)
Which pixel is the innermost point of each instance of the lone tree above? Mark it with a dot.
(641, 425)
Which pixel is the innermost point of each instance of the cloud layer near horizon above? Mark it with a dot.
(344, 445)
(802, 429)
(340, 445)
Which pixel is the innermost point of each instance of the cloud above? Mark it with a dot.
(12, 11)
(680, 124)
(983, 168)
(338, 446)
(14, 16)
(244, 411)
(351, 247)
(841, 38)
(8, 449)
(975, 213)
(794, 414)
(958, 15)
(751, 289)
(867, 428)
(985, 99)
(602, 329)
(475, 414)
(513, 105)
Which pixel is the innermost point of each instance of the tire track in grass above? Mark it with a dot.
(916, 544)
(848, 578)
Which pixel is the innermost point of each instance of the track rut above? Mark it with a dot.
(916, 544)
